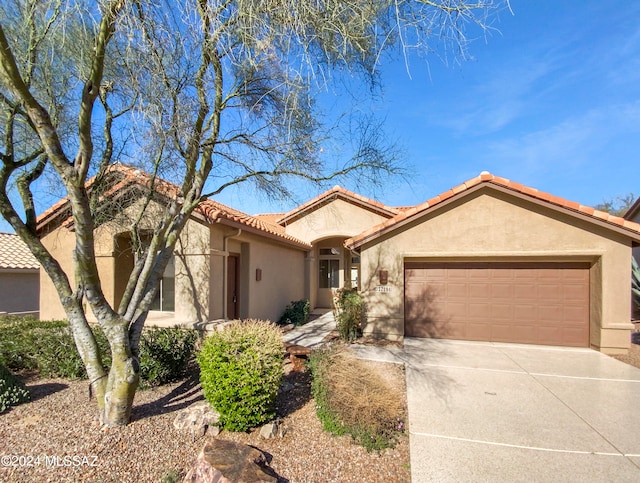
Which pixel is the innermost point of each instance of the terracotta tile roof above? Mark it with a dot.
(269, 217)
(214, 211)
(488, 178)
(14, 254)
(210, 210)
(338, 191)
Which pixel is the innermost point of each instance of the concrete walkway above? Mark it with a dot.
(508, 412)
(312, 333)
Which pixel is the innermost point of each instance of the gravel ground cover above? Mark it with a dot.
(56, 438)
(632, 358)
(59, 440)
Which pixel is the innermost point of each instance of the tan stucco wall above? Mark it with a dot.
(192, 270)
(490, 225)
(336, 218)
(19, 291)
(282, 278)
(193, 246)
(200, 271)
(60, 243)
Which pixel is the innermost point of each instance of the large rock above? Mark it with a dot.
(198, 418)
(228, 462)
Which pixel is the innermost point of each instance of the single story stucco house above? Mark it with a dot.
(19, 277)
(490, 259)
(633, 214)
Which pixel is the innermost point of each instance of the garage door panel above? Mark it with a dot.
(574, 293)
(475, 332)
(479, 291)
(501, 311)
(501, 290)
(526, 291)
(525, 312)
(480, 310)
(550, 292)
(456, 289)
(544, 303)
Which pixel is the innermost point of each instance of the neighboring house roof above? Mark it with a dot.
(633, 211)
(15, 255)
(487, 179)
(337, 192)
(128, 177)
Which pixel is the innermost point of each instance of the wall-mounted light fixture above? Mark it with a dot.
(258, 274)
(383, 275)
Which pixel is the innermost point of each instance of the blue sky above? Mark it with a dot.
(552, 101)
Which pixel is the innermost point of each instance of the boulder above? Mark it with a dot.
(223, 461)
(269, 430)
(198, 418)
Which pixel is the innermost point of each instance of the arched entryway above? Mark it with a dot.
(336, 267)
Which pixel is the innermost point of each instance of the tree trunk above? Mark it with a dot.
(120, 391)
(123, 377)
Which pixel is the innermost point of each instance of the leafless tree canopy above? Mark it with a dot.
(207, 94)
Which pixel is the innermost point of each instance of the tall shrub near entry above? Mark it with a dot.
(349, 312)
(240, 372)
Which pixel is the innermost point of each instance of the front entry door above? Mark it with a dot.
(232, 287)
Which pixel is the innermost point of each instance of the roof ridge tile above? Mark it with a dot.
(489, 178)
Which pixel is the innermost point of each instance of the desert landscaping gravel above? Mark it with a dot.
(58, 436)
(55, 438)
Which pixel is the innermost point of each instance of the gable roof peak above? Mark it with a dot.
(338, 192)
(209, 210)
(496, 182)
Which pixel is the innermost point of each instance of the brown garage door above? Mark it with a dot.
(533, 303)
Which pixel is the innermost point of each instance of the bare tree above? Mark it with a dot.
(617, 206)
(208, 94)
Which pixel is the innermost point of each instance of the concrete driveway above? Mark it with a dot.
(508, 412)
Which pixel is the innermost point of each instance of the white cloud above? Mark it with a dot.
(570, 144)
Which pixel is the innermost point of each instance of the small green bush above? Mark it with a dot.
(164, 354)
(296, 313)
(349, 313)
(240, 372)
(12, 391)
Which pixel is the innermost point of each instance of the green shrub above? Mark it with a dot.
(349, 313)
(12, 391)
(46, 347)
(49, 348)
(164, 354)
(351, 398)
(296, 313)
(240, 372)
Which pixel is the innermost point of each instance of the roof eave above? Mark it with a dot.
(265, 234)
(356, 242)
(331, 195)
